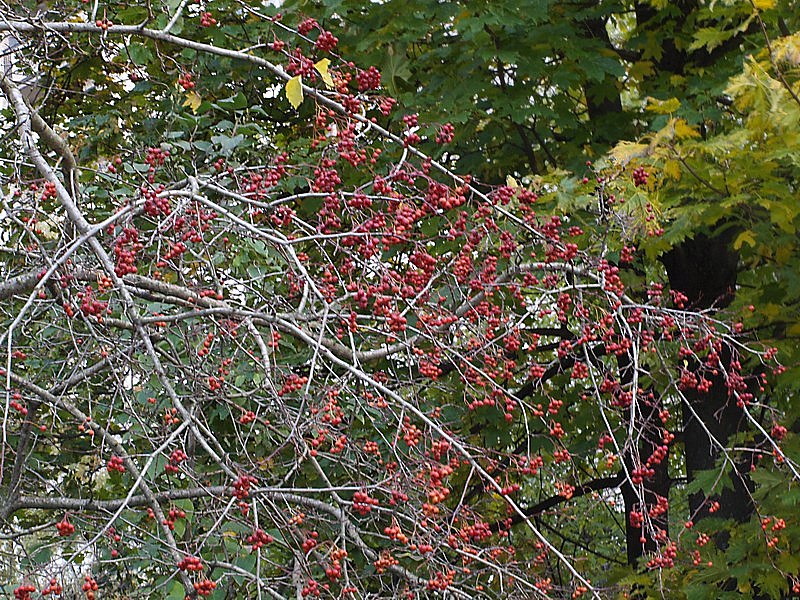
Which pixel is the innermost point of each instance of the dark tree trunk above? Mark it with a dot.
(704, 269)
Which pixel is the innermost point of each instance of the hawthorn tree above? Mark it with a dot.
(265, 336)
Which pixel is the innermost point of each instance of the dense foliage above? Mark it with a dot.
(485, 299)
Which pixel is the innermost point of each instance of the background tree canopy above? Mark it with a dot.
(481, 299)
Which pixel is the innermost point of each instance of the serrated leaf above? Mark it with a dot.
(684, 130)
(662, 107)
(624, 152)
(294, 91)
(709, 38)
(672, 169)
(193, 100)
(322, 68)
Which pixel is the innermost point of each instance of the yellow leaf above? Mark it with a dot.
(684, 130)
(511, 182)
(193, 100)
(294, 91)
(746, 237)
(793, 330)
(625, 151)
(662, 107)
(764, 4)
(322, 69)
(787, 50)
(672, 169)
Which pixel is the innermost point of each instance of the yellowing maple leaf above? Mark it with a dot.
(684, 130)
(294, 91)
(193, 100)
(322, 68)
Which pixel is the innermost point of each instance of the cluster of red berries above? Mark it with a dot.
(640, 176)
(247, 417)
(311, 589)
(175, 458)
(411, 433)
(112, 166)
(173, 515)
(205, 587)
(636, 519)
(385, 561)
(89, 587)
(369, 79)
(411, 120)
(65, 528)
(115, 464)
(190, 563)
(175, 250)
(155, 205)
(206, 345)
(155, 157)
(326, 41)
(477, 532)
(396, 322)
(17, 405)
(307, 25)
(398, 498)
(446, 134)
(91, 306)
(49, 190)
(24, 592)
(659, 508)
(640, 474)
(170, 416)
(666, 560)
(395, 533)
(293, 383)
(259, 539)
(54, 588)
(310, 542)
(186, 81)
(531, 466)
(241, 487)
(778, 432)
(626, 255)
(386, 105)
(441, 581)
(363, 503)
(207, 20)
(125, 248)
(103, 24)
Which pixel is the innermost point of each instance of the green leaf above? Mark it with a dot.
(237, 102)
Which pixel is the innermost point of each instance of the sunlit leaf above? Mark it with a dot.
(193, 100)
(322, 68)
(294, 91)
(663, 107)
